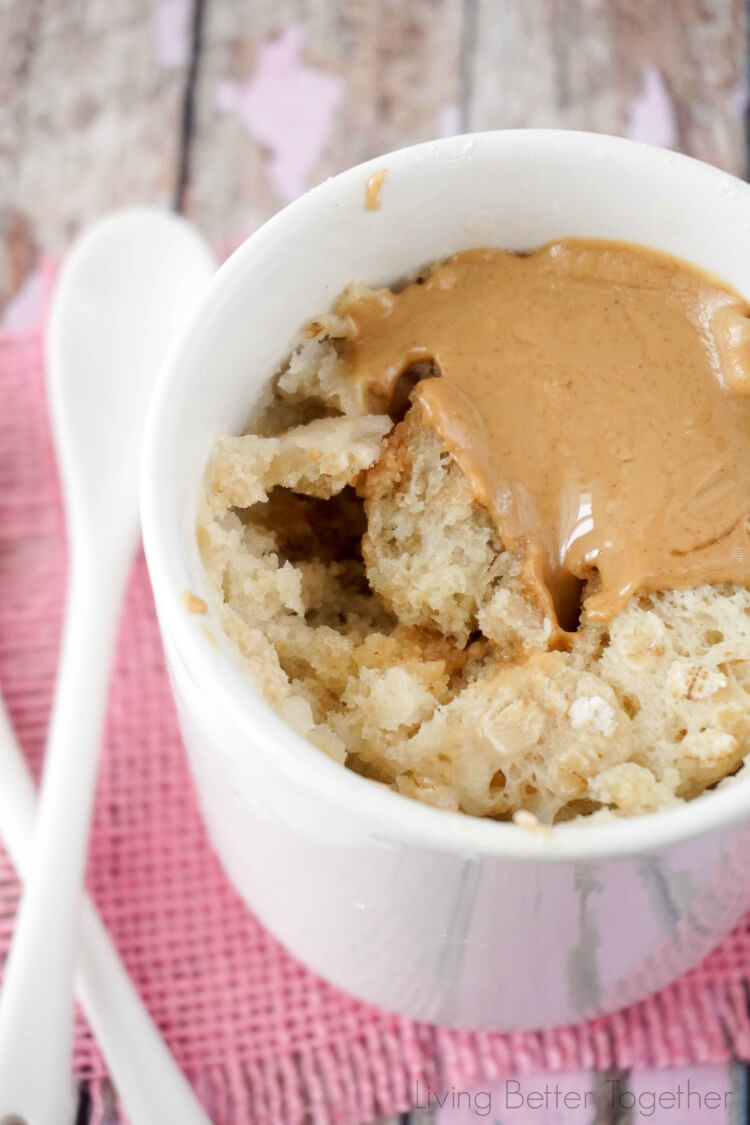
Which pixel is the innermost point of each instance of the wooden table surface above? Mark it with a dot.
(228, 109)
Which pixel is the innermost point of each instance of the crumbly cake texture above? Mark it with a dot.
(375, 608)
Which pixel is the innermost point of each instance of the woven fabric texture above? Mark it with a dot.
(263, 1040)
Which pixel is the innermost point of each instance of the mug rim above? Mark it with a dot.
(230, 690)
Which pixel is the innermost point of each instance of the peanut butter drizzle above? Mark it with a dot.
(597, 397)
(372, 191)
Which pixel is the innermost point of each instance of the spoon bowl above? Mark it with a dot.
(121, 297)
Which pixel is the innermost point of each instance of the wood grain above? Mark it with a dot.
(400, 68)
(89, 119)
(701, 47)
(580, 65)
(409, 70)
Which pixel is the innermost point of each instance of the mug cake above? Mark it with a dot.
(486, 538)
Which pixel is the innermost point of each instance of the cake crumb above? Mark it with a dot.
(375, 605)
(526, 821)
(192, 603)
(590, 711)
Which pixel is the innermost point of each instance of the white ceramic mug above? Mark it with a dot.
(435, 915)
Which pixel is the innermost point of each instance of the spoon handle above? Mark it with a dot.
(36, 1017)
(150, 1085)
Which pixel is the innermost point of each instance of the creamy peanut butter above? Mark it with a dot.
(597, 397)
(372, 191)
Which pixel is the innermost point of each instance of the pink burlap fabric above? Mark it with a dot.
(263, 1039)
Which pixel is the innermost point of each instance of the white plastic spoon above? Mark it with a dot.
(149, 1083)
(127, 285)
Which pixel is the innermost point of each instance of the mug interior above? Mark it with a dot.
(512, 189)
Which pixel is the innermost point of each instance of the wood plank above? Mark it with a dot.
(90, 107)
(617, 66)
(266, 126)
(414, 1117)
(701, 49)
